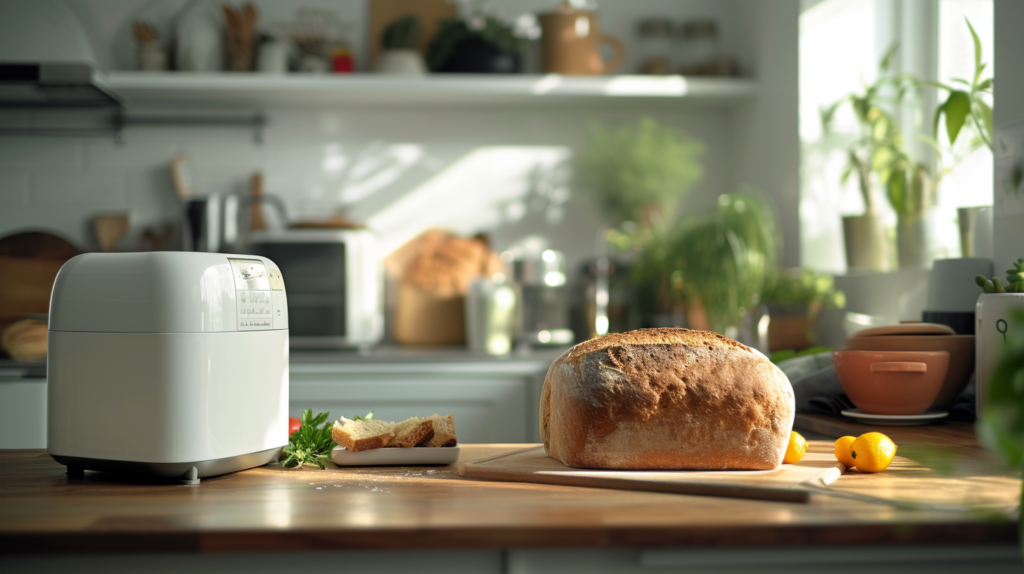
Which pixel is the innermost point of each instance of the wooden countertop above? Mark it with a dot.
(270, 508)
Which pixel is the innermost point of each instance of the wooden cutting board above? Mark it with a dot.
(790, 482)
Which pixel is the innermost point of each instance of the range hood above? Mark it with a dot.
(55, 85)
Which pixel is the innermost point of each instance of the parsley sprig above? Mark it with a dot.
(312, 443)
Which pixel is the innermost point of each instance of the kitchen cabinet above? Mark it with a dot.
(493, 399)
(22, 412)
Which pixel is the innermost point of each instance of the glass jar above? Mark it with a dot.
(654, 43)
(698, 48)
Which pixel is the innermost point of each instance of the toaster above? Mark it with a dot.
(167, 363)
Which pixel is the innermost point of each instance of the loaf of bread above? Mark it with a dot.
(666, 399)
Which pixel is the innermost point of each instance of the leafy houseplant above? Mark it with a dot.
(399, 41)
(728, 257)
(639, 172)
(866, 244)
(478, 44)
(879, 154)
(794, 301)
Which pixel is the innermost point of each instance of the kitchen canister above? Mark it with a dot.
(993, 323)
(952, 292)
(490, 316)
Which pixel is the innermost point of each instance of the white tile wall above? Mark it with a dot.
(364, 160)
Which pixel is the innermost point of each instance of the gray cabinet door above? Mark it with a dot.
(487, 409)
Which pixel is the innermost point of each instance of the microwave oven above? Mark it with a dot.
(335, 284)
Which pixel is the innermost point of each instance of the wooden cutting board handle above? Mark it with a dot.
(256, 222)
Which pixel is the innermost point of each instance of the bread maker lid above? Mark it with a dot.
(168, 292)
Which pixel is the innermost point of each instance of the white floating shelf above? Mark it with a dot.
(143, 88)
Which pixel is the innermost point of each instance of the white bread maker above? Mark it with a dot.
(167, 363)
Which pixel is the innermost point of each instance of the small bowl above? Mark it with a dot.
(891, 382)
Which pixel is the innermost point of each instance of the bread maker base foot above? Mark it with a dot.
(184, 472)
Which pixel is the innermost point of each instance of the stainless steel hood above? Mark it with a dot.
(55, 85)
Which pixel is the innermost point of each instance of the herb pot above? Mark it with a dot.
(866, 244)
(475, 56)
(992, 325)
(401, 63)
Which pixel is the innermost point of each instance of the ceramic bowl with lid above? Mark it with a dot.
(891, 382)
(925, 337)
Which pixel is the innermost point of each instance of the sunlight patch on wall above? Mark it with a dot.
(481, 190)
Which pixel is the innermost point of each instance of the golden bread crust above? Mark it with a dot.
(666, 399)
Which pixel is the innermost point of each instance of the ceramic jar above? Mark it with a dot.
(992, 324)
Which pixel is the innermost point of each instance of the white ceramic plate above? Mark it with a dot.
(895, 420)
(396, 456)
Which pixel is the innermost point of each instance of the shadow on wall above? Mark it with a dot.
(401, 189)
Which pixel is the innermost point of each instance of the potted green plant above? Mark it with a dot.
(399, 41)
(638, 174)
(867, 246)
(879, 155)
(478, 44)
(794, 301)
(727, 258)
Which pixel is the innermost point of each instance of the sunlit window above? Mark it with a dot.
(841, 43)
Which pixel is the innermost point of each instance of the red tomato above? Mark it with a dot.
(293, 425)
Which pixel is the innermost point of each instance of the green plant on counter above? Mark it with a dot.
(808, 287)
(1014, 280)
(639, 172)
(729, 256)
(724, 259)
(489, 29)
(402, 34)
(311, 444)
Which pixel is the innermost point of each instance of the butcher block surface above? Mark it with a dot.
(270, 508)
(789, 482)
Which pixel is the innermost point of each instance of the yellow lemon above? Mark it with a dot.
(873, 452)
(843, 447)
(795, 449)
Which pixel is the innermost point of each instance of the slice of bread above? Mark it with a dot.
(363, 434)
(411, 432)
(444, 431)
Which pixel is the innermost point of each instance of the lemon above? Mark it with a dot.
(873, 452)
(795, 449)
(843, 455)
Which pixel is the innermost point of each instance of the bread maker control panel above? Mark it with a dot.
(259, 295)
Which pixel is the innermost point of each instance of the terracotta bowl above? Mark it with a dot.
(891, 382)
(961, 358)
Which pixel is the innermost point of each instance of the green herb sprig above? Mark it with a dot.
(312, 443)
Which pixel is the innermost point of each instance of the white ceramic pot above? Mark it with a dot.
(272, 57)
(200, 38)
(992, 326)
(401, 62)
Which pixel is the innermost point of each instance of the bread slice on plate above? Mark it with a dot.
(362, 434)
(444, 432)
(411, 432)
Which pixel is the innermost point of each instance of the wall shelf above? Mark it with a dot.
(145, 88)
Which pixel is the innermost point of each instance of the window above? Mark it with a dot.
(841, 43)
